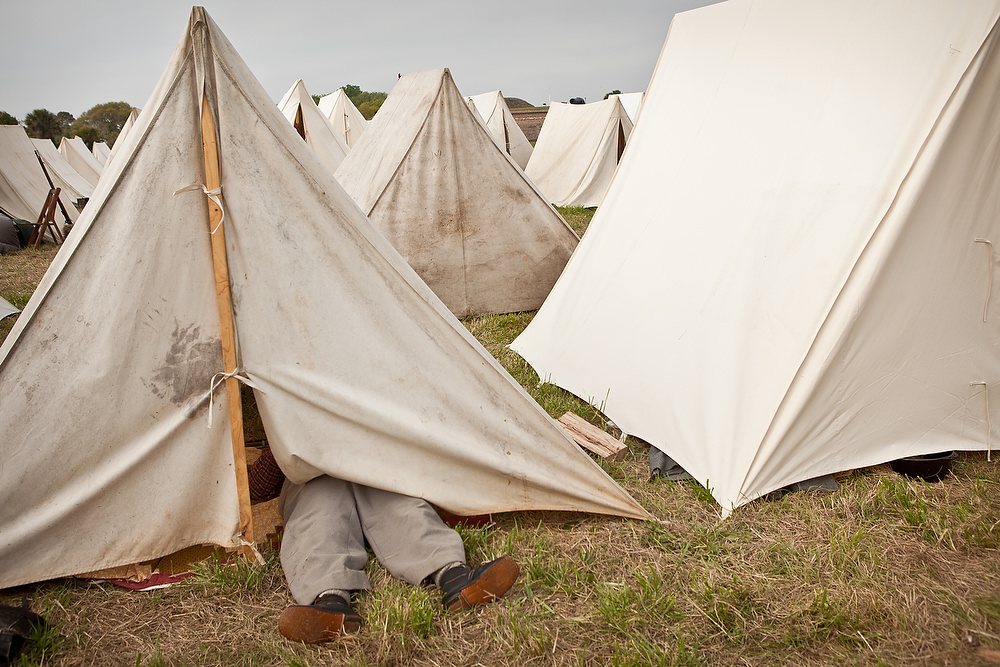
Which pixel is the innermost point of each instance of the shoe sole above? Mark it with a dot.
(315, 626)
(492, 585)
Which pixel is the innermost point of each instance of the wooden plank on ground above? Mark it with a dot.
(592, 438)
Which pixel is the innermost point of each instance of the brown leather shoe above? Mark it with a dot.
(464, 588)
(324, 620)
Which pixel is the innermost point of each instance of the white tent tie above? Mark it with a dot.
(989, 274)
(253, 547)
(989, 429)
(218, 379)
(215, 195)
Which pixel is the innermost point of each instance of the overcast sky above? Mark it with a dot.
(64, 55)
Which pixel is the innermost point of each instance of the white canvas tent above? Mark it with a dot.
(23, 187)
(577, 151)
(631, 102)
(360, 372)
(6, 309)
(344, 116)
(501, 125)
(298, 107)
(800, 239)
(126, 127)
(452, 203)
(64, 176)
(81, 158)
(101, 152)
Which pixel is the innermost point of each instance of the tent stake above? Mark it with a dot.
(218, 234)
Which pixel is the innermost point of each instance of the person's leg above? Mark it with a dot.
(406, 534)
(413, 544)
(323, 546)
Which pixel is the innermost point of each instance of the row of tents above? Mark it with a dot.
(790, 275)
(474, 226)
(30, 167)
(571, 163)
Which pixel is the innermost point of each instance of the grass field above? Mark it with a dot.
(885, 571)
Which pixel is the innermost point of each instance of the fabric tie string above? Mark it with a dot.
(253, 548)
(989, 274)
(215, 195)
(217, 381)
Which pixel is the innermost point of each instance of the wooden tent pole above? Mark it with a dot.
(223, 297)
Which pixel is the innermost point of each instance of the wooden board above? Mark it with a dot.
(592, 438)
(224, 300)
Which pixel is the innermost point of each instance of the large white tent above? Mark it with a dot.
(81, 158)
(360, 372)
(344, 116)
(501, 125)
(791, 272)
(298, 107)
(578, 150)
(454, 204)
(73, 185)
(23, 187)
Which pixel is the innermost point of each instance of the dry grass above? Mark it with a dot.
(885, 571)
(20, 272)
(812, 578)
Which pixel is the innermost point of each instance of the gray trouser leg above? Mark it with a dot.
(326, 523)
(408, 537)
(323, 546)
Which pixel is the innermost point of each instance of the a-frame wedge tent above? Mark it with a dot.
(23, 187)
(502, 127)
(81, 158)
(122, 133)
(360, 371)
(631, 102)
(578, 150)
(801, 240)
(101, 152)
(344, 116)
(73, 186)
(458, 208)
(298, 107)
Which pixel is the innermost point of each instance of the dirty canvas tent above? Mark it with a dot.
(344, 116)
(298, 107)
(578, 150)
(458, 208)
(501, 125)
(81, 158)
(811, 191)
(141, 448)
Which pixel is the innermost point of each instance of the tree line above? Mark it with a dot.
(102, 122)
